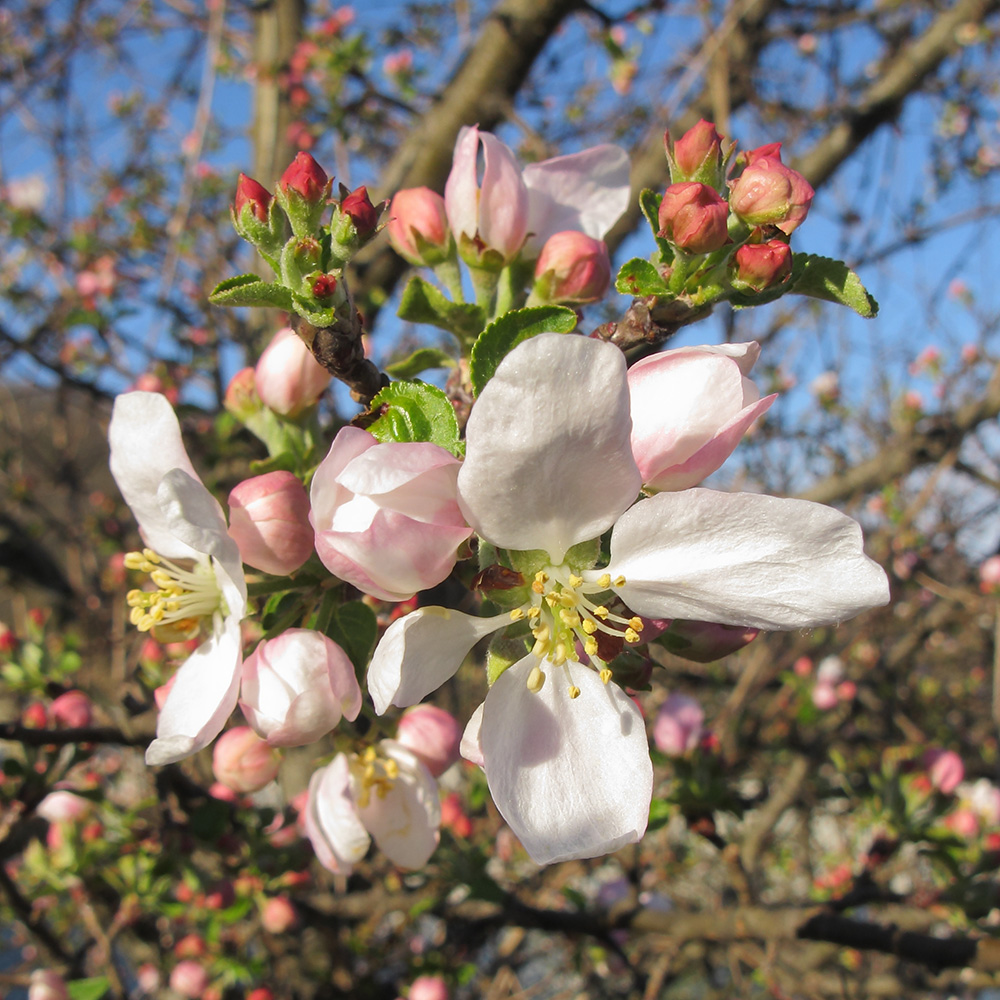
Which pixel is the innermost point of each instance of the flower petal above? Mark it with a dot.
(146, 444)
(571, 776)
(743, 559)
(422, 650)
(588, 191)
(471, 747)
(548, 461)
(202, 697)
(331, 820)
(503, 200)
(461, 191)
(405, 822)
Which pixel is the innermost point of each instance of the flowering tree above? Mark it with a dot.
(511, 516)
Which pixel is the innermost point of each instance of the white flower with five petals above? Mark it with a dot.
(549, 468)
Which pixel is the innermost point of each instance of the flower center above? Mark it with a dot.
(184, 600)
(562, 614)
(371, 773)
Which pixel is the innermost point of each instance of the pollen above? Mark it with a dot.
(372, 774)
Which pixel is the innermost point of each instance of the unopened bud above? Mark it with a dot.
(306, 178)
(324, 286)
(678, 725)
(47, 985)
(572, 267)
(693, 216)
(288, 378)
(73, 710)
(252, 215)
(418, 227)
(770, 193)
(242, 761)
(762, 265)
(269, 521)
(432, 735)
(358, 206)
(250, 192)
(241, 399)
(696, 156)
(705, 642)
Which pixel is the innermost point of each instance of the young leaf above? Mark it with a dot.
(419, 361)
(354, 628)
(415, 411)
(649, 202)
(249, 290)
(638, 277)
(88, 989)
(423, 303)
(505, 333)
(832, 280)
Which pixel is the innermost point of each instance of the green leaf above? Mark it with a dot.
(660, 811)
(640, 277)
(509, 330)
(649, 202)
(249, 290)
(419, 361)
(423, 303)
(88, 989)
(354, 628)
(832, 280)
(415, 411)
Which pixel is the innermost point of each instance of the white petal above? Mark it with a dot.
(461, 191)
(201, 698)
(588, 191)
(422, 650)
(331, 820)
(743, 559)
(471, 747)
(571, 776)
(146, 444)
(405, 823)
(548, 460)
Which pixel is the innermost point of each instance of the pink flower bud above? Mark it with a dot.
(362, 212)
(945, 769)
(428, 988)
(964, 823)
(288, 378)
(678, 725)
(989, 575)
(63, 807)
(706, 642)
(432, 735)
(453, 816)
(296, 687)
(762, 265)
(690, 408)
(278, 915)
(693, 216)
(572, 267)
(830, 670)
(241, 398)
(769, 193)
(189, 978)
(250, 192)
(35, 716)
(47, 985)
(824, 696)
(386, 516)
(73, 710)
(242, 761)
(697, 155)
(148, 978)
(269, 521)
(306, 178)
(418, 226)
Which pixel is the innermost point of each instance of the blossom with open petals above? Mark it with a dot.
(194, 564)
(384, 794)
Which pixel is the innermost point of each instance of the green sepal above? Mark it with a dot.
(509, 330)
(352, 626)
(660, 811)
(638, 277)
(415, 411)
(249, 290)
(832, 280)
(503, 654)
(419, 361)
(583, 555)
(307, 309)
(421, 302)
(289, 444)
(649, 202)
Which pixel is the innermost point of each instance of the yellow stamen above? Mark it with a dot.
(605, 675)
(536, 679)
(574, 691)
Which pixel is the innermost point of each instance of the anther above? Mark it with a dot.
(605, 675)
(536, 679)
(574, 691)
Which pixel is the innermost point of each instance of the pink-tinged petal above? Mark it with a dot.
(548, 461)
(503, 199)
(145, 440)
(571, 776)
(743, 559)
(405, 822)
(588, 191)
(393, 465)
(421, 651)
(471, 747)
(201, 699)
(711, 457)
(194, 516)
(331, 820)
(461, 191)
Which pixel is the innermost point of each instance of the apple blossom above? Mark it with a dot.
(696, 156)
(386, 516)
(572, 267)
(194, 564)
(269, 521)
(288, 378)
(384, 794)
(693, 216)
(242, 761)
(432, 735)
(758, 266)
(690, 407)
(769, 193)
(418, 226)
(566, 758)
(678, 725)
(296, 686)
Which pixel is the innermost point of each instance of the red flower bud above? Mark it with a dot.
(696, 155)
(762, 265)
(693, 216)
(250, 192)
(362, 212)
(305, 177)
(324, 286)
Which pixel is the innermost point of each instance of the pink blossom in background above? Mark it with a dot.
(242, 761)
(189, 978)
(428, 988)
(64, 807)
(945, 769)
(296, 687)
(989, 575)
(269, 521)
(386, 516)
(679, 725)
(432, 734)
(45, 984)
(72, 709)
(26, 194)
(278, 915)
(288, 379)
